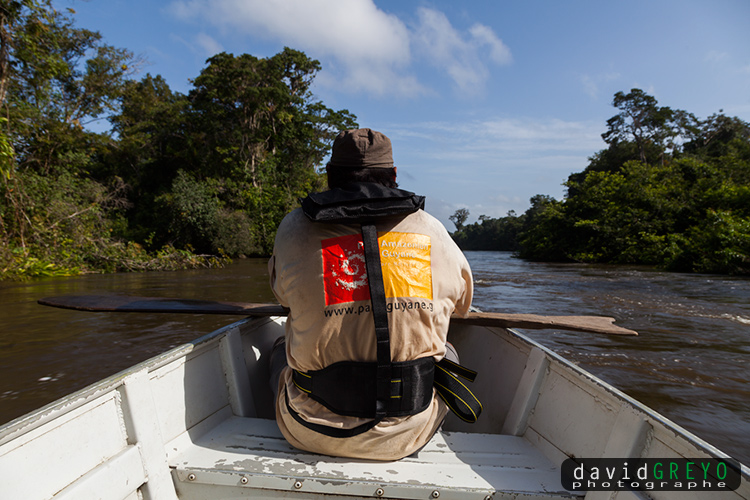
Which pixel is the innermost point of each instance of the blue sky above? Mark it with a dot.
(487, 103)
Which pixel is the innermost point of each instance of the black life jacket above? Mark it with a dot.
(380, 389)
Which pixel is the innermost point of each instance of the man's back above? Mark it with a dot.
(319, 273)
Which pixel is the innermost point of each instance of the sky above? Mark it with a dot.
(487, 103)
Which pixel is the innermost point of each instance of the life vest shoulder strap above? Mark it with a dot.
(454, 393)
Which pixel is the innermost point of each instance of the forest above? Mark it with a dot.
(175, 181)
(104, 172)
(669, 190)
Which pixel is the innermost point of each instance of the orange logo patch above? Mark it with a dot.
(404, 258)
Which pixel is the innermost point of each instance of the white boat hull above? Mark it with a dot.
(196, 422)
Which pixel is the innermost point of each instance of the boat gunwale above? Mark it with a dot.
(49, 412)
(668, 424)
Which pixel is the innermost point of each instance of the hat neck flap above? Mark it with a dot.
(360, 202)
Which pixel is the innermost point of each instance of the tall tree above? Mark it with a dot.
(61, 78)
(20, 21)
(459, 218)
(258, 131)
(650, 126)
(153, 145)
(54, 79)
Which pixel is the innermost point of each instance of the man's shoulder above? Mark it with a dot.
(294, 223)
(295, 214)
(294, 218)
(422, 219)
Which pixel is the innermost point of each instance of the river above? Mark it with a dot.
(689, 362)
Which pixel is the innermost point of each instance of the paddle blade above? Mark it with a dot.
(122, 303)
(591, 324)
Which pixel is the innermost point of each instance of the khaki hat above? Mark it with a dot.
(361, 148)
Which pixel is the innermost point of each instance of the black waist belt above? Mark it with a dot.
(350, 388)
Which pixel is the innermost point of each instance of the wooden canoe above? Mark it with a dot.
(196, 423)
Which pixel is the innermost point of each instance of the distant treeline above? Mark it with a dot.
(669, 190)
(176, 180)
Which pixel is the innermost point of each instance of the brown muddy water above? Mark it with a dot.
(689, 362)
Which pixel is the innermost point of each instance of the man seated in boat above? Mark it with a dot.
(371, 281)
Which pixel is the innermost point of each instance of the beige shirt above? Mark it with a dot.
(318, 271)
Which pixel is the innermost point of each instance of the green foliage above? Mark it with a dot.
(489, 234)
(24, 266)
(70, 220)
(7, 155)
(192, 211)
(180, 181)
(543, 235)
(652, 128)
(682, 204)
(255, 130)
(718, 244)
(59, 78)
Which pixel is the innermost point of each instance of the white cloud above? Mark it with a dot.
(591, 84)
(503, 138)
(715, 56)
(208, 44)
(378, 80)
(446, 49)
(490, 165)
(363, 47)
(371, 46)
(499, 52)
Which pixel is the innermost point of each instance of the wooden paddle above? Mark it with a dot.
(123, 303)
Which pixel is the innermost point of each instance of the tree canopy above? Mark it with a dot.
(178, 180)
(669, 190)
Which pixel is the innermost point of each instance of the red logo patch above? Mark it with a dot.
(344, 271)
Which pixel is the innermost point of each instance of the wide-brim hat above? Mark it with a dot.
(360, 148)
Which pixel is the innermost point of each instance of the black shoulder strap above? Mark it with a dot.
(380, 315)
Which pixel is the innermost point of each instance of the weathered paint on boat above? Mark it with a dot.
(196, 422)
